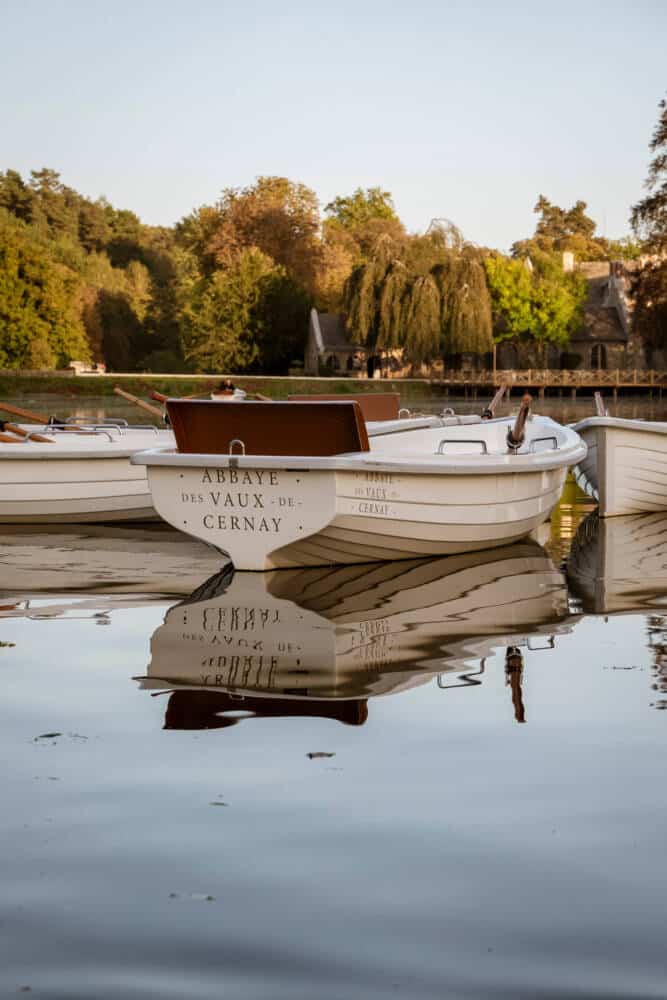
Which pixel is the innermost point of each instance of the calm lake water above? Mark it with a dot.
(432, 779)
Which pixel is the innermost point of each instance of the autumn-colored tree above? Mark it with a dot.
(274, 215)
(649, 220)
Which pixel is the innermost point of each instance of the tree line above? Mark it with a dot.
(229, 287)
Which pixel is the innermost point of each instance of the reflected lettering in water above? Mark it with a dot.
(304, 641)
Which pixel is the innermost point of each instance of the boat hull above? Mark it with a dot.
(625, 468)
(77, 479)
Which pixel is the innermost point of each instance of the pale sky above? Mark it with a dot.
(461, 110)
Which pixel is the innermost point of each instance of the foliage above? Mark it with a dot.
(539, 301)
(39, 324)
(649, 216)
(274, 215)
(424, 294)
(243, 315)
(650, 309)
(360, 207)
(560, 229)
(649, 221)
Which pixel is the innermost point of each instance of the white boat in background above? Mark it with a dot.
(619, 564)
(76, 473)
(625, 468)
(330, 635)
(276, 485)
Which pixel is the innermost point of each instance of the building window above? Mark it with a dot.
(598, 357)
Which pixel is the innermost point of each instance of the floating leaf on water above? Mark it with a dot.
(48, 736)
(202, 897)
(219, 803)
(316, 754)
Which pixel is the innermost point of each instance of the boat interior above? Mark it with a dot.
(328, 428)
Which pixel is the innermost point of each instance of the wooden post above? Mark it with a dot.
(573, 392)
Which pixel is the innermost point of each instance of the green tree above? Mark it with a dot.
(40, 325)
(559, 229)
(535, 300)
(424, 294)
(241, 315)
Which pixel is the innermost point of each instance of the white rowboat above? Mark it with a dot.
(625, 468)
(81, 474)
(273, 489)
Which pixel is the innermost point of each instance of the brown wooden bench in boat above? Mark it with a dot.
(374, 405)
(205, 427)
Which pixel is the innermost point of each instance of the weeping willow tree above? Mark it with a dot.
(466, 304)
(424, 294)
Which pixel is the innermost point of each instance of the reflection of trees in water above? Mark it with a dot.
(657, 639)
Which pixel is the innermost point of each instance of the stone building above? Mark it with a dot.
(328, 348)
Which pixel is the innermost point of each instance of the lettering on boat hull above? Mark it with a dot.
(247, 513)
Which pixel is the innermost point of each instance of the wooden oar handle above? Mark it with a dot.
(22, 433)
(139, 402)
(10, 439)
(490, 411)
(517, 433)
(26, 414)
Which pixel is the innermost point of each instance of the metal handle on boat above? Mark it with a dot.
(233, 443)
(485, 450)
(448, 412)
(82, 429)
(550, 437)
(403, 412)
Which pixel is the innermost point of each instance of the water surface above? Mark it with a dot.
(442, 778)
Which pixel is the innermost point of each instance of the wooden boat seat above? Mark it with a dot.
(374, 405)
(205, 427)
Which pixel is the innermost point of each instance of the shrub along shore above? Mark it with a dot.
(21, 386)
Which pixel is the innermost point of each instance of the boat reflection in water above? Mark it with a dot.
(620, 564)
(95, 569)
(321, 641)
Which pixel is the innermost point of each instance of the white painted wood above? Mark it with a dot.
(77, 477)
(411, 495)
(626, 466)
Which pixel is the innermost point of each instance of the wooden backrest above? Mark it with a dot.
(202, 426)
(374, 405)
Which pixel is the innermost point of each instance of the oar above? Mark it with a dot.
(161, 398)
(139, 402)
(28, 414)
(489, 412)
(517, 433)
(10, 439)
(599, 405)
(15, 429)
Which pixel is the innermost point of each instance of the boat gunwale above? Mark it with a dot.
(621, 423)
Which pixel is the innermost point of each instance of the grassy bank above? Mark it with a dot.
(19, 386)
